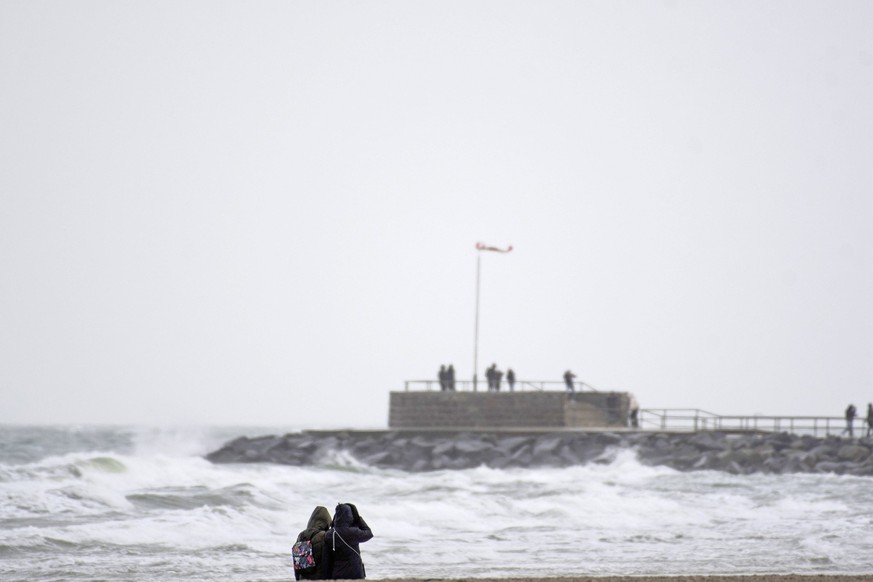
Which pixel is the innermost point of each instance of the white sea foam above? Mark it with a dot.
(154, 512)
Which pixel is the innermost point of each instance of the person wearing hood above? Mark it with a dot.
(342, 543)
(319, 523)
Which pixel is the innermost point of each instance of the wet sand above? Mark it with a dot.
(715, 578)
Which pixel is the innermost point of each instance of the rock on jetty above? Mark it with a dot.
(431, 451)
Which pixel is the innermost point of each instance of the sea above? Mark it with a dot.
(142, 503)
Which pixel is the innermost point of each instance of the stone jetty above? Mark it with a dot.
(417, 451)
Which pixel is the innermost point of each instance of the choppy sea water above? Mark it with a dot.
(90, 503)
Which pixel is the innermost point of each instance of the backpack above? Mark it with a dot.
(301, 552)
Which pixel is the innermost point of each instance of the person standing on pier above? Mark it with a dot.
(850, 421)
(442, 375)
(634, 414)
(489, 375)
(568, 380)
(869, 418)
(450, 377)
(510, 379)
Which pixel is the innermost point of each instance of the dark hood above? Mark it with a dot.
(342, 516)
(318, 521)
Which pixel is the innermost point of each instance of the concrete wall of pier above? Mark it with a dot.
(544, 409)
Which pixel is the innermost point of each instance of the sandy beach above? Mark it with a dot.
(749, 578)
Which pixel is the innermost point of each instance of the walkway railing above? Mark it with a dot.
(681, 419)
(482, 385)
(693, 419)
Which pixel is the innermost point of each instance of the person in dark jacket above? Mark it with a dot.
(568, 380)
(341, 548)
(491, 376)
(318, 524)
(869, 418)
(851, 411)
(443, 375)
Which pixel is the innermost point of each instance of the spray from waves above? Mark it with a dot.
(186, 441)
(53, 474)
(28, 444)
(106, 503)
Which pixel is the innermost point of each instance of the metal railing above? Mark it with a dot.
(681, 419)
(693, 419)
(482, 385)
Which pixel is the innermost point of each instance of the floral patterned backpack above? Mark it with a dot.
(301, 552)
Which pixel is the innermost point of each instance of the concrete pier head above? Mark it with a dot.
(541, 409)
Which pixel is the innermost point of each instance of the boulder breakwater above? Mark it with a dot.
(417, 451)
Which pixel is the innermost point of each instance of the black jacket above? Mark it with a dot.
(318, 523)
(341, 543)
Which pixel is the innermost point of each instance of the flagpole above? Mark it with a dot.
(476, 336)
(479, 248)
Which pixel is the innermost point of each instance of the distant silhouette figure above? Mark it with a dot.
(510, 379)
(634, 415)
(498, 377)
(568, 380)
(489, 375)
(450, 377)
(869, 418)
(442, 375)
(850, 420)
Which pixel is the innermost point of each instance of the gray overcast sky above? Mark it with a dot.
(266, 212)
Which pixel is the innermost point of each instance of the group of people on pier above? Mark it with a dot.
(851, 413)
(447, 377)
(495, 378)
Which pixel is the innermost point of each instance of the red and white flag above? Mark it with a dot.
(484, 247)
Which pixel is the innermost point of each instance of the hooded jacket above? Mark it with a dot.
(318, 524)
(342, 541)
